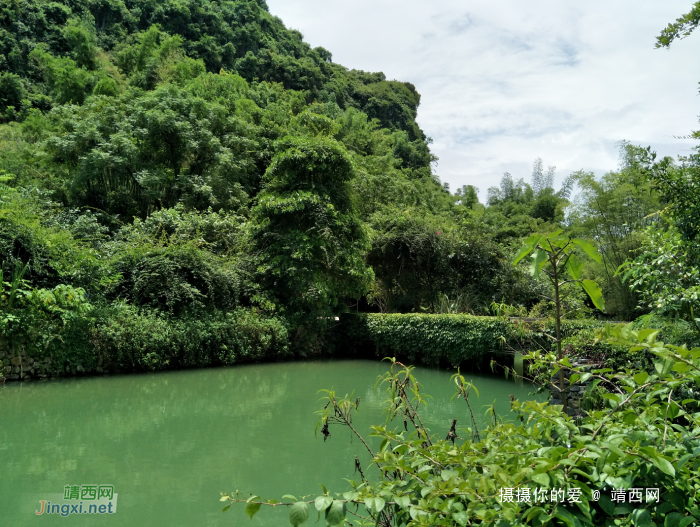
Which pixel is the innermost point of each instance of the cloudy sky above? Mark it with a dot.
(506, 81)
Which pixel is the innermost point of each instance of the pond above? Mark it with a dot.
(171, 442)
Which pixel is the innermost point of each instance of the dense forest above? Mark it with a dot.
(187, 183)
(194, 168)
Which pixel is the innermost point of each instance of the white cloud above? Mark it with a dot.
(506, 81)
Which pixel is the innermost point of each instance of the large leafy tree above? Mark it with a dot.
(666, 273)
(310, 240)
(516, 208)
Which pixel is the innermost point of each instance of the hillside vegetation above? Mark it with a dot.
(169, 168)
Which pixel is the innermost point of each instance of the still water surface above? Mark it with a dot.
(171, 442)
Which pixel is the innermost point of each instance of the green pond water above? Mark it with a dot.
(171, 442)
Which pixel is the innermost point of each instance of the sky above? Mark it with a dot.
(503, 82)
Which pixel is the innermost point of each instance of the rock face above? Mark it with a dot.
(21, 366)
(574, 392)
(16, 367)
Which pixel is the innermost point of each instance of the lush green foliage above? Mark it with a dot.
(644, 437)
(310, 238)
(450, 339)
(614, 210)
(130, 339)
(681, 28)
(189, 160)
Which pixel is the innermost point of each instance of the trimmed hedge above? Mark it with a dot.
(448, 340)
(138, 340)
(426, 339)
(125, 339)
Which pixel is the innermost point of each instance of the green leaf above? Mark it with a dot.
(461, 517)
(575, 267)
(298, 513)
(538, 258)
(402, 501)
(565, 516)
(630, 418)
(534, 511)
(685, 522)
(530, 244)
(606, 504)
(664, 465)
(589, 249)
(323, 502)
(335, 514)
(641, 518)
(542, 479)
(375, 504)
(351, 495)
(641, 377)
(447, 474)
(673, 519)
(594, 292)
(251, 508)
(647, 334)
(289, 497)
(224, 498)
(677, 500)
(682, 461)
(664, 366)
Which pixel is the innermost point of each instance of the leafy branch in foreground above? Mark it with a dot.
(646, 436)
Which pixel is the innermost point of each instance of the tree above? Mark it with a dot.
(665, 274)
(613, 210)
(310, 241)
(140, 152)
(554, 253)
(12, 93)
(681, 28)
(468, 195)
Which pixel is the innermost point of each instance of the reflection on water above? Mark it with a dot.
(170, 442)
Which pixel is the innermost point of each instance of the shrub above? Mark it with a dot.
(177, 279)
(133, 339)
(428, 339)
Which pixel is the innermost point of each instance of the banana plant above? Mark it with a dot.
(554, 255)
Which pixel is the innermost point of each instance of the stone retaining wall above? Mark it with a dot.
(574, 393)
(23, 367)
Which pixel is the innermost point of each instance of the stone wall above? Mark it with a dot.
(23, 367)
(574, 392)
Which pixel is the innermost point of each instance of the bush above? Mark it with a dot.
(132, 339)
(428, 339)
(177, 279)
